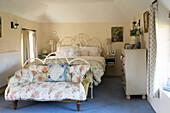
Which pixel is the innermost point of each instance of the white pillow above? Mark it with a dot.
(84, 53)
(65, 53)
(69, 51)
(93, 51)
(74, 52)
(63, 48)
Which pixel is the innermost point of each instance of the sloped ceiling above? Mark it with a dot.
(166, 3)
(74, 11)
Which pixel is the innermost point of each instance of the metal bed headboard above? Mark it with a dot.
(81, 39)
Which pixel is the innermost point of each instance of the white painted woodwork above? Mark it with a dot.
(9, 64)
(135, 71)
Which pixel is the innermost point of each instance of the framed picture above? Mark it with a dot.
(117, 34)
(113, 52)
(146, 21)
(0, 27)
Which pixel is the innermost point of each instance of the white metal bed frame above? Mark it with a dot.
(81, 40)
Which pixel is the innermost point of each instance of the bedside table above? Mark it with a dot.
(110, 63)
(42, 56)
(110, 60)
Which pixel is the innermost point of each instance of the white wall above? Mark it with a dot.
(145, 36)
(11, 38)
(162, 104)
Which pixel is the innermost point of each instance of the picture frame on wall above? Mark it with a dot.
(117, 34)
(0, 27)
(146, 21)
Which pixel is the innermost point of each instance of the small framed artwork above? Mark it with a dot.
(117, 34)
(146, 21)
(113, 52)
(0, 27)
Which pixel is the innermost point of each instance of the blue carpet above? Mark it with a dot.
(109, 98)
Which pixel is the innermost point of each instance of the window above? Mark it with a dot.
(32, 56)
(28, 46)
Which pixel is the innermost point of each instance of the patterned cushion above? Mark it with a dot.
(56, 72)
(68, 76)
(37, 68)
(76, 73)
(21, 76)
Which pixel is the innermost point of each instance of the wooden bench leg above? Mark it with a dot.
(15, 104)
(78, 106)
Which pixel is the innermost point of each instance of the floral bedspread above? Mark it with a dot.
(30, 85)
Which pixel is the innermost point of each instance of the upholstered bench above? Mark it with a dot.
(30, 84)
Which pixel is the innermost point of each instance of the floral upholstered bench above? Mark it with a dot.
(54, 82)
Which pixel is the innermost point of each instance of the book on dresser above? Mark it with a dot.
(134, 78)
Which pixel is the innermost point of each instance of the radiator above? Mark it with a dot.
(9, 63)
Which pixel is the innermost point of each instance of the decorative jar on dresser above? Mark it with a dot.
(134, 79)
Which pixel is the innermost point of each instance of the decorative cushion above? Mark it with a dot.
(56, 72)
(21, 76)
(37, 68)
(69, 51)
(84, 53)
(93, 51)
(68, 75)
(74, 52)
(76, 73)
(65, 53)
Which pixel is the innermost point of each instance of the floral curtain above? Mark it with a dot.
(153, 85)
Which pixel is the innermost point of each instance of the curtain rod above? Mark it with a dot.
(154, 1)
(29, 29)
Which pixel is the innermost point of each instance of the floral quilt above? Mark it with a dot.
(30, 85)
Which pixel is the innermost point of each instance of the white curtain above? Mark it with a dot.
(35, 45)
(153, 85)
(26, 45)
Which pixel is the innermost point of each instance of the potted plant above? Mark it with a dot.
(135, 36)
